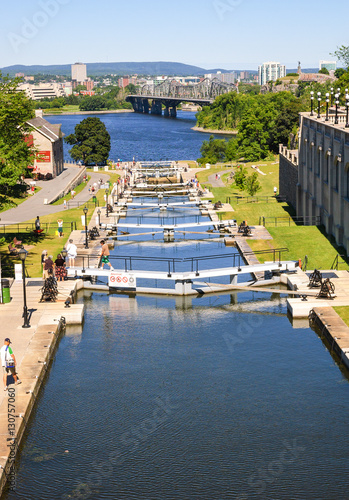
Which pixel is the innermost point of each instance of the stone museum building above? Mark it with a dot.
(315, 178)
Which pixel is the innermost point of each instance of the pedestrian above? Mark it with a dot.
(65, 204)
(60, 227)
(72, 253)
(9, 363)
(275, 190)
(60, 270)
(43, 257)
(105, 255)
(48, 267)
(37, 223)
(72, 193)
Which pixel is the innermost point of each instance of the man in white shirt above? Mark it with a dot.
(72, 253)
(8, 362)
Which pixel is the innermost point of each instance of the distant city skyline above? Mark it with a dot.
(229, 34)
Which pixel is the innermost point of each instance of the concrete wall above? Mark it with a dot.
(288, 175)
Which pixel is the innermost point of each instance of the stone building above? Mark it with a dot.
(48, 140)
(322, 172)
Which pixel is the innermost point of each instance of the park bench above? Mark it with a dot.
(13, 250)
(17, 243)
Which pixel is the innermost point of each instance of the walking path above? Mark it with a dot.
(217, 182)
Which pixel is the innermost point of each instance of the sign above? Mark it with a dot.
(18, 272)
(122, 280)
(43, 156)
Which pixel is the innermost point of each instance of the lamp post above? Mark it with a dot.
(85, 210)
(347, 110)
(64, 253)
(336, 103)
(327, 101)
(99, 217)
(311, 102)
(23, 255)
(331, 96)
(318, 104)
(106, 201)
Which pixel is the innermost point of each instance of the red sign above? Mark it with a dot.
(43, 156)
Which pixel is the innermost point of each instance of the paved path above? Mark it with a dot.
(216, 182)
(34, 206)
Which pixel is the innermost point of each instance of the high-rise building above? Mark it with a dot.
(78, 72)
(270, 71)
(330, 65)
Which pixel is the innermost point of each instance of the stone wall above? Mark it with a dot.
(288, 175)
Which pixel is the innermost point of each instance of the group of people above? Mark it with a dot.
(55, 268)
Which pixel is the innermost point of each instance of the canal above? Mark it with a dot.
(160, 398)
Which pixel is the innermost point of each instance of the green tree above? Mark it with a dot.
(93, 103)
(342, 53)
(240, 177)
(213, 150)
(339, 72)
(131, 89)
(16, 151)
(252, 184)
(323, 71)
(90, 141)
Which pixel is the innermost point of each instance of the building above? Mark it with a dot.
(270, 71)
(79, 73)
(43, 90)
(330, 65)
(228, 78)
(48, 140)
(315, 179)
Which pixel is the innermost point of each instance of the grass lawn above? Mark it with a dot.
(303, 240)
(343, 312)
(252, 212)
(7, 202)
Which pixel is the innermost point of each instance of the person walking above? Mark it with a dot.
(43, 257)
(9, 363)
(65, 204)
(48, 267)
(105, 255)
(60, 227)
(72, 253)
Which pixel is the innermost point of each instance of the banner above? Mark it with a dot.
(121, 280)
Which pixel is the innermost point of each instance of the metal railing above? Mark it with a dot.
(336, 263)
(300, 220)
(30, 227)
(94, 203)
(255, 199)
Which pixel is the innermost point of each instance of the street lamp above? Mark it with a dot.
(311, 102)
(347, 110)
(64, 253)
(85, 210)
(23, 255)
(99, 217)
(331, 96)
(318, 104)
(336, 103)
(327, 101)
(106, 201)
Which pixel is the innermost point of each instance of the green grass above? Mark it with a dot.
(77, 190)
(303, 240)
(343, 312)
(8, 202)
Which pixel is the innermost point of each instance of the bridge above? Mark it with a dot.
(171, 93)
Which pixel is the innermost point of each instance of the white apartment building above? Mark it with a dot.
(270, 71)
(79, 72)
(43, 90)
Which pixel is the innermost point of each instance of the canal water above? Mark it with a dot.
(208, 398)
(144, 137)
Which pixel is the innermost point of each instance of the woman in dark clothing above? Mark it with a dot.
(60, 270)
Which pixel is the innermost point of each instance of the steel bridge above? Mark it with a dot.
(171, 92)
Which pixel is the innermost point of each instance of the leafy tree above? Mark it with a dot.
(342, 53)
(339, 72)
(240, 177)
(93, 103)
(131, 89)
(213, 150)
(16, 153)
(323, 71)
(252, 184)
(90, 141)
(78, 88)
(292, 74)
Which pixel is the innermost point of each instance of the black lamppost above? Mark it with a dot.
(336, 103)
(85, 210)
(23, 255)
(311, 102)
(327, 101)
(331, 96)
(318, 104)
(347, 110)
(64, 253)
(99, 217)
(106, 201)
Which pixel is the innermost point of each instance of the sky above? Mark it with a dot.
(229, 34)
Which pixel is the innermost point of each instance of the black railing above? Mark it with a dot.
(89, 203)
(300, 220)
(254, 199)
(336, 263)
(163, 221)
(30, 227)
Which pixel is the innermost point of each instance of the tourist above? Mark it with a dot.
(43, 257)
(275, 190)
(60, 270)
(72, 193)
(72, 253)
(105, 255)
(37, 224)
(8, 362)
(60, 227)
(65, 204)
(48, 266)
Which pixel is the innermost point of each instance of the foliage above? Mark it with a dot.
(16, 153)
(131, 89)
(93, 103)
(342, 53)
(292, 74)
(240, 177)
(212, 151)
(339, 72)
(252, 184)
(323, 71)
(91, 141)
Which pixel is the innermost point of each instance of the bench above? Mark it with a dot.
(17, 243)
(13, 250)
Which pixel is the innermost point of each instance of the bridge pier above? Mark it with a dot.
(173, 112)
(156, 107)
(140, 105)
(167, 112)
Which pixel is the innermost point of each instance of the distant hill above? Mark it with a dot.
(118, 68)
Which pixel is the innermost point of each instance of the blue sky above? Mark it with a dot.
(233, 34)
